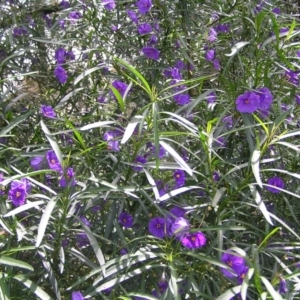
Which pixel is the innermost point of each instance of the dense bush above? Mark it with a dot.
(149, 150)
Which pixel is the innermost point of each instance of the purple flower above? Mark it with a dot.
(265, 98)
(85, 221)
(17, 195)
(36, 162)
(277, 183)
(236, 263)
(144, 6)
(113, 145)
(194, 240)
(220, 142)
(276, 11)
(139, 159)
(82, 239)
(64, 4)
(109, 4)
(247, 103)
(162, 287)
(282, 286)
(70, 55)
(120, 86)
(19, 31)
(61, 74)
(48, 111)
(179, 177)
(53, 162)
(241, 276)
(179, 227)
(182, 99)
(212, 35)
(228, 121)
(132, 15)
(23, 184)
(161, 151)
(68, 178)
(123, 251)
(216, 176)
(217, 64)
(211, 97)
(62, 24)
(60, 56)
(176, 212)
(222, 28)
(157, 227)
(292, 77)
(77, 296)
(108, 136)
(125, 219)
(210, 55)
(153, 40)
(74, 16)
(151, 53)
(297, 98)
(144, 28)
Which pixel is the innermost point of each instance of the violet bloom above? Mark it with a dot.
(68, 179)
(48, 111)
(297, 98)
(85, 221)
(176, 212)
(132, 15)
(210, 55)
(53, 162)
(236, 263)
(139, 159)
(182, 99)
(19, 31)
(282, 286)
(125, 219)
(23, 184)
(152, 40)
(224, 28)
(74, 16)
(228, 121)
(151, 53)
(277, 183)
(62, 24)
(265, 98)
(64, 4)
(220, 142)
(216, 176)
(194, 240)
(247, 103)
(17, 195)
(144, 6)
(157, 227)
(216, 64)
(179, 177)
(292, 77)
(161, 151)
(60, 56)
(179, 227)
(61, 74)
(123, 251)
(77, 296)
(276, 11)
(36, 162)
(211, 97)
(212, 35)
(109, 4)
(180, 65)
(82, 239)
(113, 145)
(120, 86)
(108, 136)
(242, 275)
(162, 287)
(144, 28)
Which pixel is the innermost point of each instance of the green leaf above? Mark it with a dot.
(255, 166)
(6, 260)
(44, 221)
(274, 294)
(38, 291)
(229, 294)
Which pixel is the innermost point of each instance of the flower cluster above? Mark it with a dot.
(251, 101)
(237, 267)
(177, 226)
(61, 57)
